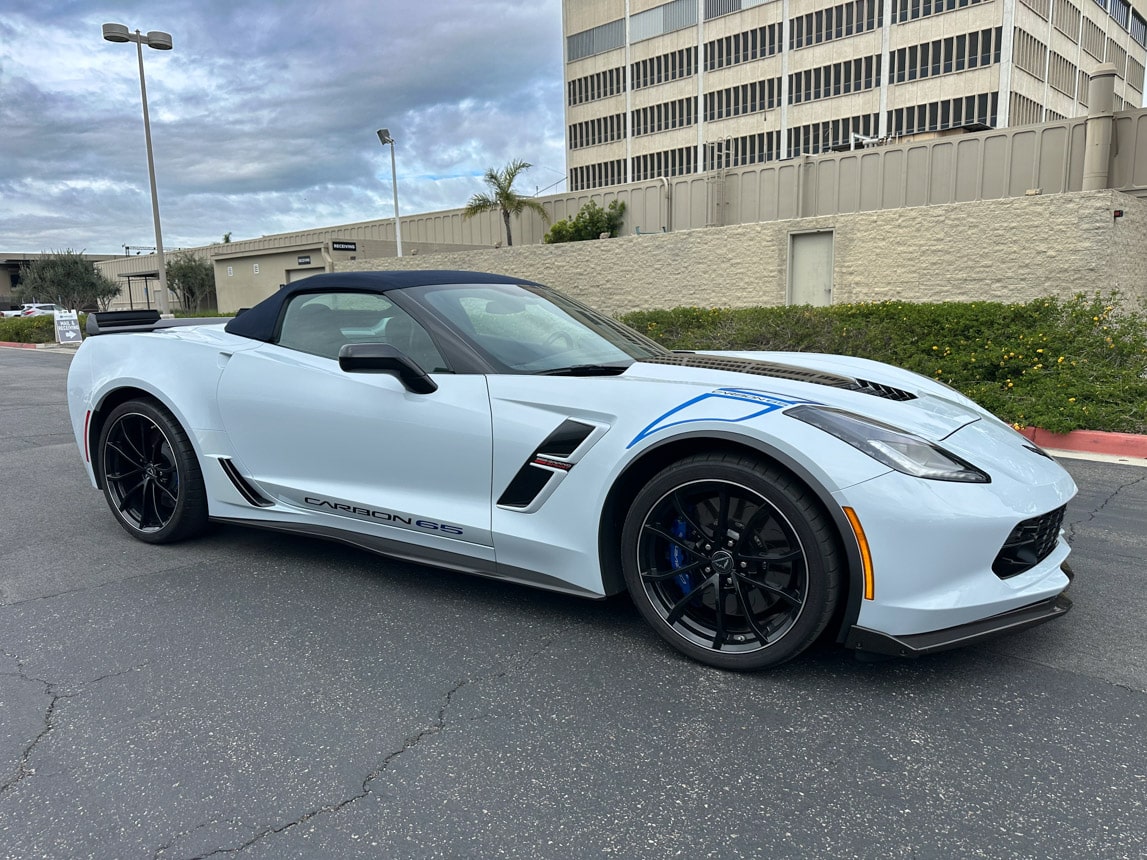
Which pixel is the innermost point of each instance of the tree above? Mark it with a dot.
(193, 280)
(503, 197)
(591, 222)
(66, 278)
(227, 238)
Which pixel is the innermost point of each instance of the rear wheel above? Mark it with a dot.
(150, 475)
(732, 561)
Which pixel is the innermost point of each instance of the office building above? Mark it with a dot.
(671, 89)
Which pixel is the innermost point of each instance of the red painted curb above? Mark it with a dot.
(18, 345)
(1090, 441)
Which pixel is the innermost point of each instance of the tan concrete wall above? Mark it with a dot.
(1126, 268)
(1011, 249)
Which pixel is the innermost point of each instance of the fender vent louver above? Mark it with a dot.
(253, 496)
(540, 468)
(780, 371)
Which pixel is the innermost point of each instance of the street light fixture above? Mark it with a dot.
(384, 138)
(160, 41)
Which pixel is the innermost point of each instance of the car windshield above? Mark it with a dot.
(526, 329)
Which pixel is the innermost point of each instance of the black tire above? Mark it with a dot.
(732, 561)
(150, 475)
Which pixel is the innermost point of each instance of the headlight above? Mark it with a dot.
(894, 448)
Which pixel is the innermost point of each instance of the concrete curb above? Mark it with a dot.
(15, 345)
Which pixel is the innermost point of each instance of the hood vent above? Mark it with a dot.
(773, 369)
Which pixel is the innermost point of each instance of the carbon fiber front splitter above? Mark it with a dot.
(913, 645)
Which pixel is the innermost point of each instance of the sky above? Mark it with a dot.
(263, 116)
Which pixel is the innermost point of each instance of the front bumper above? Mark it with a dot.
(862, 639)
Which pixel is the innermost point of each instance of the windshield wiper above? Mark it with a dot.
(586, 370)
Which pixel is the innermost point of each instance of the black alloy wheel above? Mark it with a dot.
(732, 561)
(150, 475)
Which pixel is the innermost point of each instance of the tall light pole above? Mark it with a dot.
(384, 138)
(161, 42)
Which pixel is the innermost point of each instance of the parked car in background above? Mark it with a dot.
(40, 310)
(35, 309)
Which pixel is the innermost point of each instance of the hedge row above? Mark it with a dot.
(1059, 364)
(30, 329)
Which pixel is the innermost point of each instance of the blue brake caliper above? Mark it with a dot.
(677, 556)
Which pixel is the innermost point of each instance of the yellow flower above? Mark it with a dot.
(1071, 400)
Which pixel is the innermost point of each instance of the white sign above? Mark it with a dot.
(68, 327)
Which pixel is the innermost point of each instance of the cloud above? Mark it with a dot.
(263, 116)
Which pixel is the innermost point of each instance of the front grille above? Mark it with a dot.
(780, 371)
(1029, 543)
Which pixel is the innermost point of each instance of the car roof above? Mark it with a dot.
(259, 322)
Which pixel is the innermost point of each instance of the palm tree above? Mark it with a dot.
(502, 196)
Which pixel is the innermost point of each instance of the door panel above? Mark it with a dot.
(360, 446)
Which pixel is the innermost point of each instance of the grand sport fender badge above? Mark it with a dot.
(389, 517)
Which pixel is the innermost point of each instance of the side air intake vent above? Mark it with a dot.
(253, 496)
(781, 371)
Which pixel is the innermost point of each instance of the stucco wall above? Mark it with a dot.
(1010, 249)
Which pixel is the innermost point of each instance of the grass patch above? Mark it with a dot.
(1059, 364)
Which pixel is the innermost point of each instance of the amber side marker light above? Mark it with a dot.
(865, 553)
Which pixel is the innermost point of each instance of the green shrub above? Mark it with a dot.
(28, 329)
(1059, 364)
(590, 222)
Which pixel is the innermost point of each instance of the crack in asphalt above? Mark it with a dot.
(1091, 515)
(96, 587)
(25, 770)
(411, 742)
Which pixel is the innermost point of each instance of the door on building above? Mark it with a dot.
(810, 268)
(298, 274)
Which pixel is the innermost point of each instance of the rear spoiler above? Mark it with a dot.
(114, 322)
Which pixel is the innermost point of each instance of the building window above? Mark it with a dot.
(910, 10)
(596, 41)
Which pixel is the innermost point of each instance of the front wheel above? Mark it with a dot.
(150, 475)
(732, 561)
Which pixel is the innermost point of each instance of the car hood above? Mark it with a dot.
(889, 394)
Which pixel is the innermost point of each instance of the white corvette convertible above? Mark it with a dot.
(750, 503)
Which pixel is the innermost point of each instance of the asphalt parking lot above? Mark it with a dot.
(260, 695)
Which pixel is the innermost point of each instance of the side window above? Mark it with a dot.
(321, 323)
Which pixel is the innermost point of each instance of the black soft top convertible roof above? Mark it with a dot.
(258, 323)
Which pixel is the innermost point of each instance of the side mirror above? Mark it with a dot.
(384, 358)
